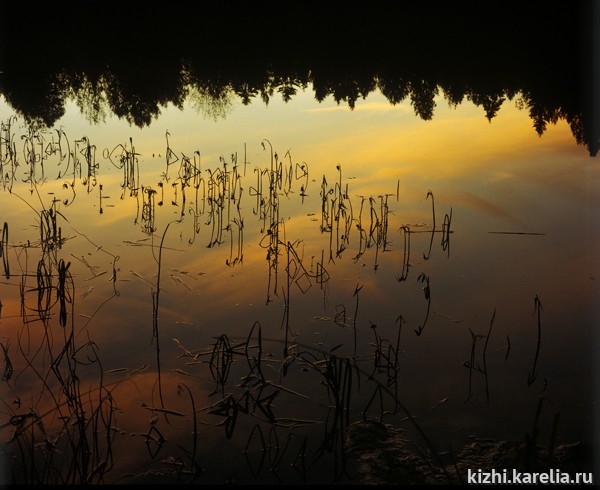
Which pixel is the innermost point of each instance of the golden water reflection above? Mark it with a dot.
(198, 243)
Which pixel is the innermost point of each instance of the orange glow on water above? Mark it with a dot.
(159, 277)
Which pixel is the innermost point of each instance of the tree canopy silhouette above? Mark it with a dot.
(132, 60)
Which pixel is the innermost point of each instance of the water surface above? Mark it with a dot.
(219, 297)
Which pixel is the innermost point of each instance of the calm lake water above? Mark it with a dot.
(317, 240)
(220, 295)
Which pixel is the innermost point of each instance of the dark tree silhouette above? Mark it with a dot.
(131, 61)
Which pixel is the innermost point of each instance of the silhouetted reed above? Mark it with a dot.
(148, 210)
(155, 309)
(531, 377)
(8, 367)
(376, 234)
(430, 194)
(473, 366)
(355, 316)
(170, 158)
(362, 233)
(337, 219)
(72, 441)
(34, 155)
(220, 362)
(8, 153)
(337, 374)
(82, 148)
(301, 174)
(446, 233)
(89, 154)
(50, 232)
(195, 468)
(256, 435)
(427, 293)
(127, 160)
(4, 250)
(405, 254)
(470, 364)
(531, 454)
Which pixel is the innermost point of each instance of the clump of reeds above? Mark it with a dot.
(71, 441)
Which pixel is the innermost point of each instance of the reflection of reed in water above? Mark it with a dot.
(430, 194)
(473, 367)
(4, 251)
(377, 234)
(427, 293)
(405, 254)
(82, 148)
(148, 210)
(65, 430)
(34, 155)
(8, 153)
(446, 232)
(532, 376)
(128, 162)
(248, 382)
